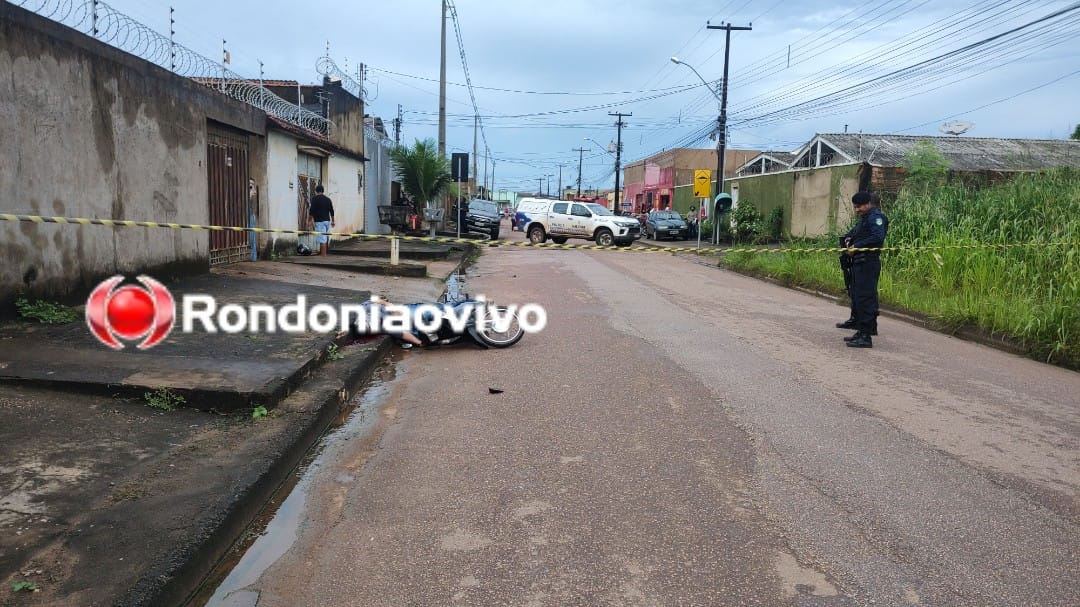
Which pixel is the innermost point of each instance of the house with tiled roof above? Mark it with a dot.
(814, 183)
(766, 162)
(298, 159)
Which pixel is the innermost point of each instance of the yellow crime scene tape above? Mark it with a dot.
(705, 250)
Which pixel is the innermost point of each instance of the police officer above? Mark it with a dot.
(869, 233)
(845, 268)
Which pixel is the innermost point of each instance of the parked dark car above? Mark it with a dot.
(666, 224)
(482, 216)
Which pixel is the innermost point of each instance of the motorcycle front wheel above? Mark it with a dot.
(499, 330)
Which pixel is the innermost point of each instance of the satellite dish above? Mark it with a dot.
(956, 128)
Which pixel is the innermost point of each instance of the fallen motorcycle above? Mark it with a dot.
(453, 317)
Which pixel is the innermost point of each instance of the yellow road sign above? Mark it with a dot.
(702, 182)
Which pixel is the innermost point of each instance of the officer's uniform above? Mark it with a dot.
(845, 268)
(870, 232)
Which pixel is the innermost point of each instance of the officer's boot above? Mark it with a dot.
(847, 324)
(860, 340)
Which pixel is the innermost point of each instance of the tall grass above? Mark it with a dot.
(1015, 278)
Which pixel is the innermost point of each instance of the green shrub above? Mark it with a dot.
(1003, 258)
(746, 222)
(45, 311)
(774, 223)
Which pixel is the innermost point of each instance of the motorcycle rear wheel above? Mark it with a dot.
(487, 333)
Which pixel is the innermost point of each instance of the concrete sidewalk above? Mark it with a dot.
(105, 500)
(372, 257)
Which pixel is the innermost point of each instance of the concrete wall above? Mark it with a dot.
(279, 206)
(343, 188)
(280, 201)
(347, 114)
(810, 201)
(378, 179)
(767, 192)
(90, 131)
(815, 201)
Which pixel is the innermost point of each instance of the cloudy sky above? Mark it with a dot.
(546, 75)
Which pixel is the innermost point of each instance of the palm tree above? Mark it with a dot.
(424, 174)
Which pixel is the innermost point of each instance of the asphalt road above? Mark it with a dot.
(681, 435)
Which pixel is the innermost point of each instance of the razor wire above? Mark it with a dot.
(326, 66)
(106, 24)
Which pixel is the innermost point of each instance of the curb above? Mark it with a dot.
(405, 254)
(404, 269)
(967, 333)
(224, 401)
(187, 567)
(178, 582)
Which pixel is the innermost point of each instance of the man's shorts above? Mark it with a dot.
(322, 226)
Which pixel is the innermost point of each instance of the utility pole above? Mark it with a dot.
(486, 152)
(442, 88)
(618, 156)
(475, 173)
(581, 153)
(721, 136)
(397, 126)
(560, 183)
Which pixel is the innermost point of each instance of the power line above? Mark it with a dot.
(880, 85)
(531, 92)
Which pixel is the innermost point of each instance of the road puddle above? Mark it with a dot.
(275, 528)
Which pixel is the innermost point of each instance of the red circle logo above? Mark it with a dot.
(130, 312)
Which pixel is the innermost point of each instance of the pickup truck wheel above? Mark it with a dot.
(495, 234)
(536, 235)
(604, 237)
(558, 239)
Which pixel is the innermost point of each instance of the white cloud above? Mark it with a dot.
(582, 46)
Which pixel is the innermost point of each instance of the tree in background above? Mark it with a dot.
(925, 166)
(424, 175)
(1076, 133)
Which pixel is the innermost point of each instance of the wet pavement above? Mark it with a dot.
(279, 525)
(107, 500)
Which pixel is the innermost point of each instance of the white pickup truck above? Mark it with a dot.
(560, 220)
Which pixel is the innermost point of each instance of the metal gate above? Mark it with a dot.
(309, 175)
(227, 174)
(305, 192)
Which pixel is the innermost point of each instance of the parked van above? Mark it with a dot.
(561, 220)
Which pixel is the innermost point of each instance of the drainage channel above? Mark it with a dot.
(275, 529)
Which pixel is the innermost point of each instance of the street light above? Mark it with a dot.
(721, 136)
(610, 148)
